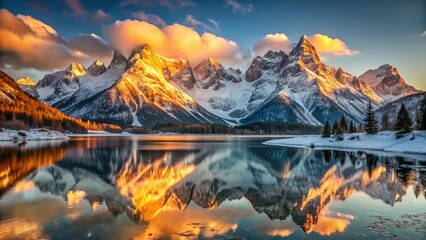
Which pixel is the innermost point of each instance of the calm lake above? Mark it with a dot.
(202, 187)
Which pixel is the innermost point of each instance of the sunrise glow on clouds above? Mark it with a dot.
(325, 45)
(27, 40)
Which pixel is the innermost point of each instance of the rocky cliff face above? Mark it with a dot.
(97, 68)
(309, 91)
(387, 83)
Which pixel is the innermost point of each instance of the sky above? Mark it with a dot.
(39, 37)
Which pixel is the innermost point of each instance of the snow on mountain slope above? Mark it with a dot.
(411, 102)
(276, 87)
(144, 91)
(26, 81)
(387, 83)
(29, 86)
(308, 91)
(56, 85)
(229, 94)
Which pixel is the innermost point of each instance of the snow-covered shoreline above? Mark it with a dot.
(31, 135)
(412, 143)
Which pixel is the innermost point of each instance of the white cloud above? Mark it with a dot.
(274, 42)
(191, 21)
(151, 18)
(240, 8)
(101, 16)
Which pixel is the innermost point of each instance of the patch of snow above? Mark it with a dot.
(31, 135)
(412, 143)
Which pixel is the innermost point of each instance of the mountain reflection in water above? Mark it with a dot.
(156, 180)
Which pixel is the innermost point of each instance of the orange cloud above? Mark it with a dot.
(330, 222)
(28, 43)
(326, 46)
(174, 41)
(274, 42)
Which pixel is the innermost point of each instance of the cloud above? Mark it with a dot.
(327, 46)
(274, 42)
(171, 4)
(239, 8)
(39, 6)
(77, 8)
(91, 45)
(151, 18)
(100, 16)
(423, 34)
(214, 23)
(174, 41)
(28, 43)
(191, 21)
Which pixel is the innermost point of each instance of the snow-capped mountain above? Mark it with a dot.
(387, 83)
(140, 94)
(97, 68)
(29, 86)
(26, 81)
(311, 92)
(147, 88)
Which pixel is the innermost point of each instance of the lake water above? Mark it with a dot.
(202, 187)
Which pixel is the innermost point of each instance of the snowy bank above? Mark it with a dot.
(412, 143)
(31, 135)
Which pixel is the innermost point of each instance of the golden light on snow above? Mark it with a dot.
(147, 184)
(74, 197)
(24, 186)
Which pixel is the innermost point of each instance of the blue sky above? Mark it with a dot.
(373, 32)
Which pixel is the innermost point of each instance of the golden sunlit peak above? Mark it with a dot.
(213, 62)
(98, 63)
(26, 81)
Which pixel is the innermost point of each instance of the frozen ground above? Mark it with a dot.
(31, 135)
(412, 143)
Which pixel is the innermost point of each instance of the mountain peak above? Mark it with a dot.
(305, 50)
(75, 70)
(139, 49)
(214, 62)
(26, 81)
(140, 52)
(117, 59)
(389, 69)
(97, 68)
(387, 82)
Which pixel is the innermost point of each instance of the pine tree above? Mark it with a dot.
(352, 128)
(333, 130)
(370, 120)
(326, 133)
(385, 122)
(338, 133)
(344, 124)
(422, 115)
(403, 121)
